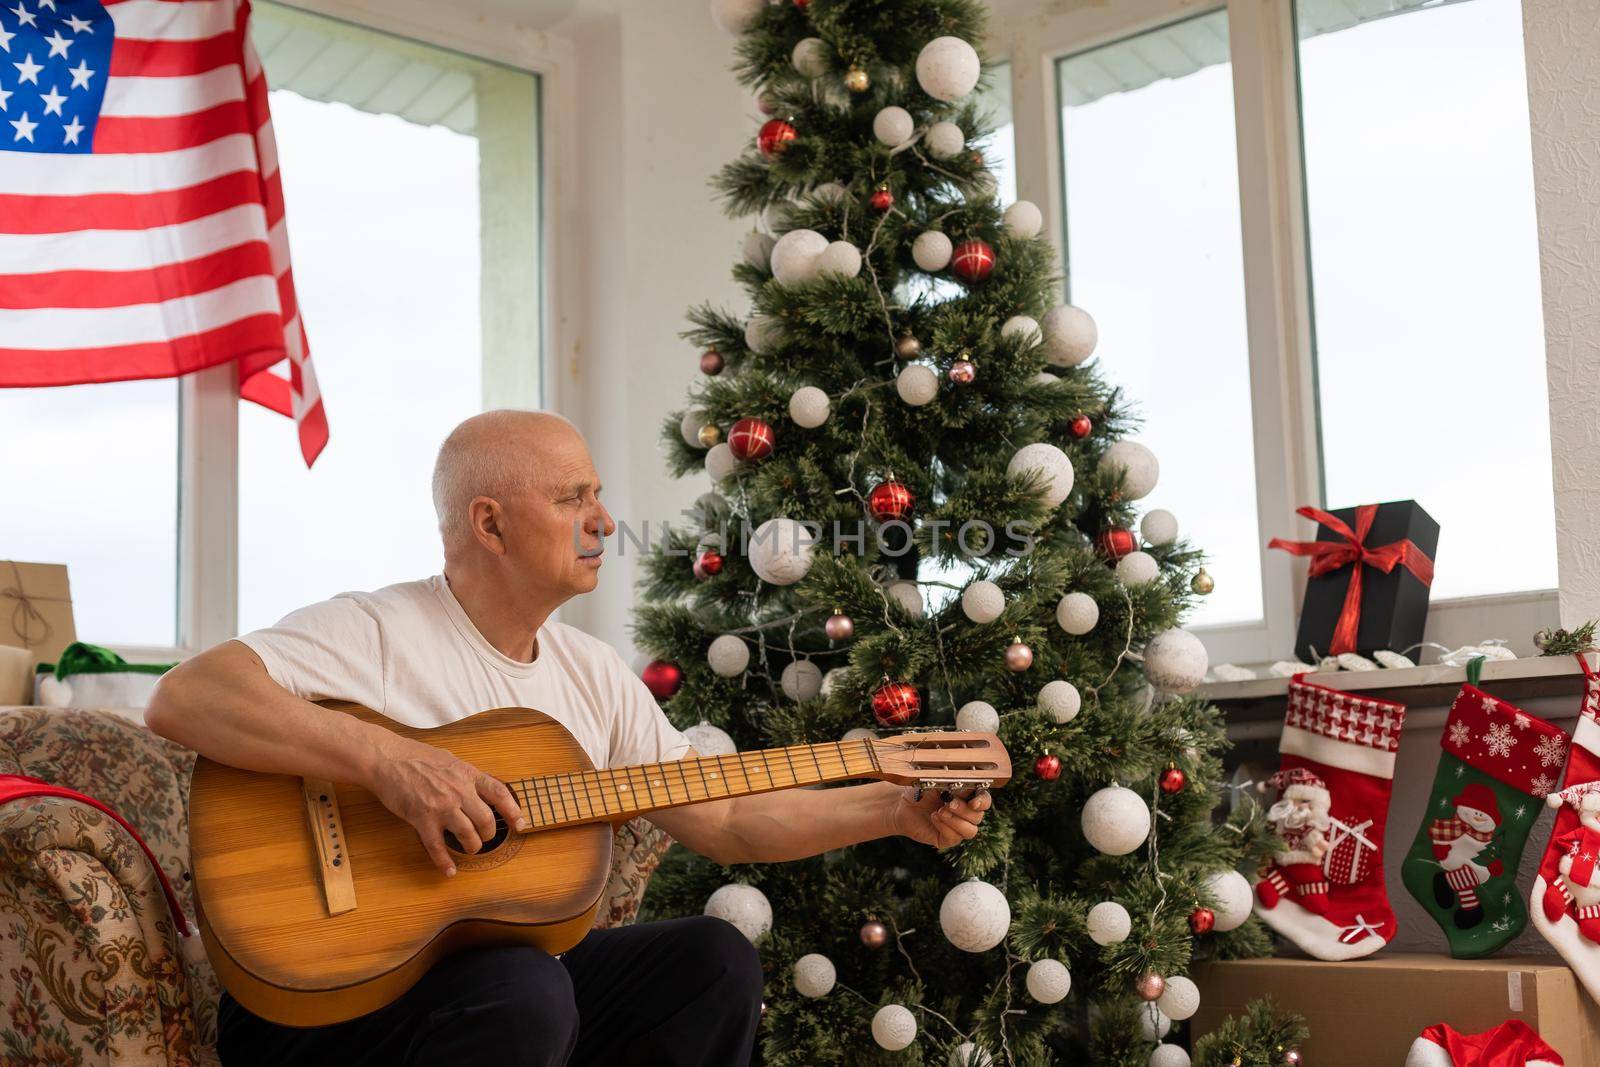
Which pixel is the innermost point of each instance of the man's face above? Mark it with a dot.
(555, 530)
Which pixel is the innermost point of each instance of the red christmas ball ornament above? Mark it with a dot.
(889, 501)
(1080, 427)
(1172, 780)
(896, 704)
(707, 564)
(1115, 542)
(962, 371)
(802, 4)
(1047, 767)
(881, 199)
(711, 362)
(662, 678)
(839, 627)
(972, 260)
(1201, 920)
(774, 136)
(750, 439)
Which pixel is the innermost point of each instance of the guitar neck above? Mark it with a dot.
(620, 793)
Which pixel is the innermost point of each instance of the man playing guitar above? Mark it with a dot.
(523, 527)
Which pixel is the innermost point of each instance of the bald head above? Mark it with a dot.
(497, 454)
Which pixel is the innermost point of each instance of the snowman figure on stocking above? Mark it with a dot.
(1575, 890)
(1301, 818)
(1459, 844)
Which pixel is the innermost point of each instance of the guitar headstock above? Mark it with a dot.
(943, 759)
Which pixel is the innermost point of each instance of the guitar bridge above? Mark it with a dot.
(327, 831)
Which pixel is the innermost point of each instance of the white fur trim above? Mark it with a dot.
(1302, 791)
(1347, 757)
(1314, 934)
(1425, 1053)
(1587, 734)
(1564, 936)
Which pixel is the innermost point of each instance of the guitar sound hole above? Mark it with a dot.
(500, 832)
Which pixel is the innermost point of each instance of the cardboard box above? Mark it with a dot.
(16, 676)
(1371, 1010)
(36, 608)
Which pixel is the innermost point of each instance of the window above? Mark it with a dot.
(1153, 252)
(1429, 335)
(1000, 147)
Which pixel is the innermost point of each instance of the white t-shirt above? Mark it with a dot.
(410, 652)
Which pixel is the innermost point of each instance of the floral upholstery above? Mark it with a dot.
(92, 969)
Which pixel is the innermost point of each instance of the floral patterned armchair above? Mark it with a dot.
(92, 969)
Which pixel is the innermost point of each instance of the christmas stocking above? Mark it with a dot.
(1566, 894)
(1324, 891)
(1511, 1044)
(1497, 767)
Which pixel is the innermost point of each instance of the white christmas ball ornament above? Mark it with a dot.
(1109, 923)
(947, 68)
(1153, 1022)
(745, 906)
(967, 1054)
(1181, 998)
(1069, 335)
(860, 733)
(1044, 377)
(944, 140)
(1059, 701)
(757, 249)
(808, 407)
(720, 461)
(1231, 890)
(1159, 527)
(831, 193)
(830, 680)
(1137, 465)
(975, 916)
(1116, 820)
(1175, 661)
(840, 259)
(1024, 328)
(894, 1027)
(775, 216)
(978, 717)
(801, 680)
(1023, 219)
(932, 250)
(794, 257)
(735, 16)
(760, 334)
(689, 427)
(810, 57)
(1169, 1056)
(917, 385)
(1048, 981)
(780, 551)
(1049, 461)
(893, 126)
(814, 975)
(1077, 613)
(728, 655)
(1138, 568)
(905, 592)
(983, 602)
(710, 740)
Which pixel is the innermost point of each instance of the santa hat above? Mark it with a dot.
(1572, 794)
(1300, 784)
(1479, 797)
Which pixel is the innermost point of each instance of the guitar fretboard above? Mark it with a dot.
(621, 793)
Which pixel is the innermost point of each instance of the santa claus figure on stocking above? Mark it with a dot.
(1458, 844)
(1575, 890)
(1301, 818)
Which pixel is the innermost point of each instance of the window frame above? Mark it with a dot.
(1263, 49)
(208, 409)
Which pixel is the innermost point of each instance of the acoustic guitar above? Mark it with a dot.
(317, 905)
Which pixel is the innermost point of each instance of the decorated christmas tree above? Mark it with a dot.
(924, 517)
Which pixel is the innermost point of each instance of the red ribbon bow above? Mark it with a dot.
(1327, 556)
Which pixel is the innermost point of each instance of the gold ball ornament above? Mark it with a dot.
(874, 934)
(856, 80)
(1150, 986)
(1019, 657)
(709, 435)
(1202, 583)
(908, 347)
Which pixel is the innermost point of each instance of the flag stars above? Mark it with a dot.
(24, 128)
(24, 16)
(80, 25)
(5, 38)
(58, 44)
(80, 75)
(5, 94)
(42, 4)
(28, 70)
(53, 101)
(71, 131)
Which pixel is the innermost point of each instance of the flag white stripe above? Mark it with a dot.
(46, 253)
(42, 174)
(267, 150)
(55, 328)
(162, 20)
(158, 97)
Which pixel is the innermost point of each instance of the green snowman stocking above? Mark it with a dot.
(1498, 764)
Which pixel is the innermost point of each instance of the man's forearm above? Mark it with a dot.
(795, 823)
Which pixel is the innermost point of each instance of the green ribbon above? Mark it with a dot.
(82, 658)
(1475, 669)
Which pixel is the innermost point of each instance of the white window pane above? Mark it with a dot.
(1153, 251)
(1425, 276)
(1000, 147)
(95, 486)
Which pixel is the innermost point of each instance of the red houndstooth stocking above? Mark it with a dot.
(1325, 891)
(1566, 895)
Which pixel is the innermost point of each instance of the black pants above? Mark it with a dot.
(678, 992)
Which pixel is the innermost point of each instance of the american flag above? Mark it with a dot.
(142, 229)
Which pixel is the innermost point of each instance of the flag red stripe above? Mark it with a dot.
(143, 59)
(117, 135)
(268, 390)
(24, 367)
(127, 211)
(119, 288)
(313, 432)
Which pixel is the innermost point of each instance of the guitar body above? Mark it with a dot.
(265, 914)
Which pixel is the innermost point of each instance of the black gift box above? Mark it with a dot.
(1394, 606)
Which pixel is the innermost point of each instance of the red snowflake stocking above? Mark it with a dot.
(1325, 890)
(1566, 895)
